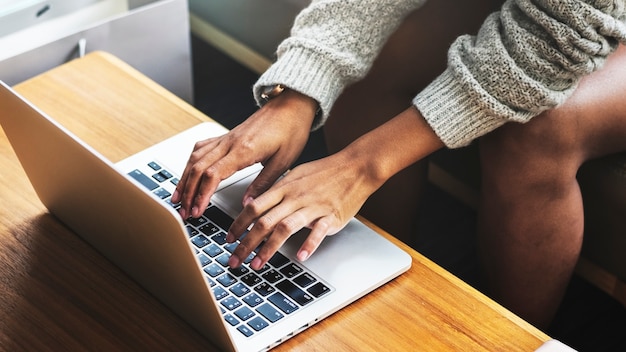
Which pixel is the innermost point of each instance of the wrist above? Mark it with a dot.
(365, 161)
(393, 146)
(280, 96)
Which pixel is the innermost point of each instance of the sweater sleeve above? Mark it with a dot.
(333, 43)
(526, 58)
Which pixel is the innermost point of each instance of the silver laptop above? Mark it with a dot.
(123, 211)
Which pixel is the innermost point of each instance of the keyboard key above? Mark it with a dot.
(291, 270)
(230, 303)
(210, 281)
(230, 247)
(159, 177)
(239, 289)
(219, 217)
(166, 174)
(231, 320)
(212, 250)
(209, 229)
(154, 166)
(143, 179)
(272, 276)
(213, 270)
(219, 293)
(270, 313)
(264, 289)
(226, 279)
(249, 258)
(245, 330)
(200, 241)
(250, 279)
(244, 313)
(292, 291)
(162, 193)
(219, 238)
(253, 299)
(191, 231)
(318, 290)
(204, 260)
(223, 259)
(283, 303)
(278, 260)
(239, 271)
(258, 324)
(304, 280)
(173, 205)
(197, 222)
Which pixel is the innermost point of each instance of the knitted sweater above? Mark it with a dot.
(526, 58)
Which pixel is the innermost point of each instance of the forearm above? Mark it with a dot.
(333, 43)
(386, 150)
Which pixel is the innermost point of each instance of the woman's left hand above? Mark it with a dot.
(322, 195)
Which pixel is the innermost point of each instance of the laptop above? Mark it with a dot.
(123, 211)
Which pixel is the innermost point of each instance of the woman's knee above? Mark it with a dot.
(590, 124)
(542, 155)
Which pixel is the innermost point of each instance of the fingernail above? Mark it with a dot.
(183, 213)
(233, 262)
(256, 263)
(303, 255)
(175, 196)
(230, 238)
(247, 201)
(194, 212)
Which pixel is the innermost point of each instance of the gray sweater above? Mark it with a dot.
(526, 58)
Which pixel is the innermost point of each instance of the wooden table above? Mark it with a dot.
(58, 293)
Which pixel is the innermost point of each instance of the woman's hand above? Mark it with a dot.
(322, 195)
(325, 194)
(274, 135)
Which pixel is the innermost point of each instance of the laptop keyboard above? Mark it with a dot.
(250, 300)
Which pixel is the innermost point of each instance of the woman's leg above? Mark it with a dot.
(414, 55)
(531, 215)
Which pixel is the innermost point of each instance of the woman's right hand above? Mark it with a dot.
(274, 135)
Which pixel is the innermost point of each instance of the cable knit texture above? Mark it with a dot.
(526, 58)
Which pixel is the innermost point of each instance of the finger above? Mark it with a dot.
(320, 229)
(205, 191)
(252, 211)
(190, 179)
(210, 180)
(185, 175)
(186, 186)
(264, 180)
(281, 233)
(271, 171)
(264, 222)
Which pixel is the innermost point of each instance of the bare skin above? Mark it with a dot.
(398, 74)
(531, 216)
(306, 196)
(274, 135)
(530, 220)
